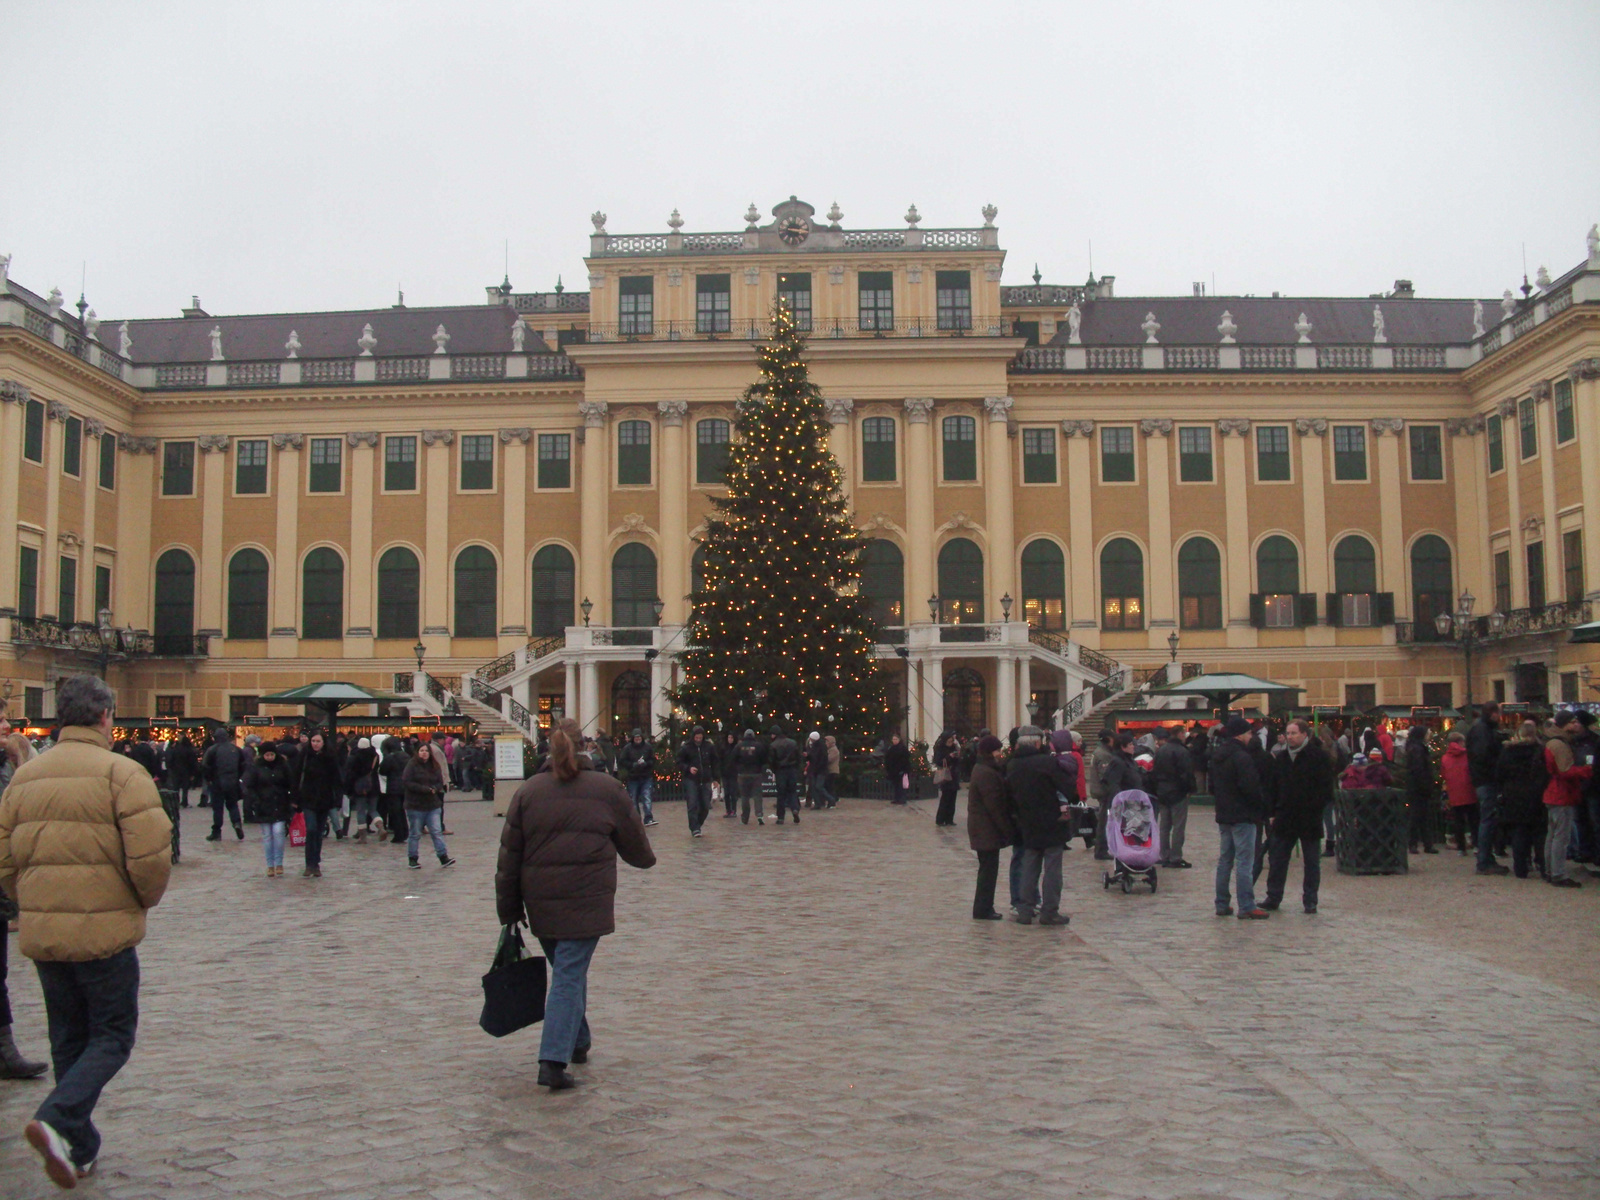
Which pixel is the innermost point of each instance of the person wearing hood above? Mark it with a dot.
(1420, 794)
(267, 801)
(728, 760)
(317, 784)
(1040, 787)
(990, 827)
(697, 765)
(1458, 789)
(361, 783)
(223, 769)
(816, 771)
(637, 766)
(750, 757)
(183, 767)
(783, 756)
(1241, 808)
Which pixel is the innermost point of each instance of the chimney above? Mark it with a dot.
(194, 309)
(1107, 288)
(1402, 290)
(1199, 290)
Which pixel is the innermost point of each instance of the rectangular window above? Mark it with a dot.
(1527, 429)
(1569, 687)
(108, 460)
(1349, 452)
(960, 449)
(169, 706)
(28, 582)
(1438, 695)
(794, 289)
(1566, 420)
(1361, 696)
(1279, 611)
(250, 467)
(1572, 564)
(713, 304)
(1427, 452)
(1355, 608)
(1494, 435)
(102, 589)
(400, 464)
(875, 292)
(636, 300)
(72, 447)
(877, 450)
(633, 454)
(1038, 456)
(327, 465)
(1535, 574)
(1502, 581)
(177, 469)
(240, 707)
(33, 432)
(1499, 690)
(1272, 453)
(712, 438)
(33, 705)
(1116, 454)
(1194, 454)
(555, 460)
(477, 462)
(67, 591)
(953, 294)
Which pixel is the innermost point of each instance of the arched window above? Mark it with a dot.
(630, 704)
(322, 594)
(247, 594)
(1121, 585)
(964, 704)
(477, 587)
(883, 582)
(174, 623)
(633, 586)
(960, 583)
(1355, 565)
(697, 568)
(1277, 582)
(1199, 584)
(555, 581)
(711, 440)
(1044, 585)
(399, 583)
(1431, 584)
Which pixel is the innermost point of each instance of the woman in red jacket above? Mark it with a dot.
(1458, 788)
(1562, 795)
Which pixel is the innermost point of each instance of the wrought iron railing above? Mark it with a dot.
(758, 329)
(180, 645)
(970, 633)
(1049, 639)
(1193, 670)
(1153, 676)
(541, 647)
(503, 665)
(483, 693)
(520, 716)
(434, 688)
(1075, 709)
(616, 635)
(1097, 663)
(1563, 614)
(80, 636)
(404, 681)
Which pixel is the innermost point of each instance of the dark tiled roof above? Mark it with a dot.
(401, 332)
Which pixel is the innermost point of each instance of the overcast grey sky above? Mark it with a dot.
(287, 156)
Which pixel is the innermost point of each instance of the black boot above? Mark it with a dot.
(12, 1064)
(554, 1076)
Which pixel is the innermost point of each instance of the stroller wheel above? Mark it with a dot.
(1152, 881)
(1105, 881)
(1127, 885)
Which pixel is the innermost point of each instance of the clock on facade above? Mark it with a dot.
(794, 230)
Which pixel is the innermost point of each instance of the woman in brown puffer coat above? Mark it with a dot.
(558, 871)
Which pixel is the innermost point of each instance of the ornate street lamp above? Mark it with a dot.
(658, 606)
(421, 652)
(933, 608)
(586, 608)
(1172, 644)
(1033, 710)
(1005, 607)
(1466, 633)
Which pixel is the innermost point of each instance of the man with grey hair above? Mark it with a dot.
(85, 849)
(1041, 788)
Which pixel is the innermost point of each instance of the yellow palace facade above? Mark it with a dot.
(1064, 489)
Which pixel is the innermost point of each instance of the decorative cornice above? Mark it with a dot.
(212, 442)
(520, 434)
(363, 437)
(57, 411)
(1464, 426)
(94, 428)
(1383, 425)
(839, 409)
(672, 411)
(919, 411)
(438, 437)
(14, 391)
(1238, 426)
(1311, 426)
(1075, 428)
(1584, 368)
(593, 413)
(1156, 426)
(129, 444)
(998, 407)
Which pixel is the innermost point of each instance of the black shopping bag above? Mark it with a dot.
(513, 990)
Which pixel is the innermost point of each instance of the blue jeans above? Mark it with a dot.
(273, 836)
(821, 796)
(1017, 853)
(1239, 857)
(1488, 817)
(93, 1009)
(433, 821)
(565, 1027)
(697, 799)
(643, 797)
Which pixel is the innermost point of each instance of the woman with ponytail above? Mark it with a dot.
(558, 872)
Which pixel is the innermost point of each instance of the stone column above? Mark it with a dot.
(919, 506)
(14, 398)
(50, 554)
(135, 499)
(596, 517)
(213, 449)
(1511, 443)
(1084, 612)
(998, 500)
(514, 568)
(362, 617)
(1391, 529)
(436, 542)
(1313, 432)
(1585, 376)
(284, 625)
(1544, 414)
(1471, 503)
(932, 699)
(660, 681)
(1025, 688)
(90, 478)
(569, 698)
(1005, 694)
(1234, 433)
(674, 493)
(841, 439)
(588, 696)
(1160, 603)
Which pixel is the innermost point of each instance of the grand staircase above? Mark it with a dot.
(490, 722)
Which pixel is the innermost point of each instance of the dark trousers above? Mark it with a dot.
(1015, 875)
(1419, 804)
(697, 799)
(1526, 842)
(947, 803)
(93, 1009)
(988, 876)
(1464, 821)
(1279, 849)
(395, 821)
(788, 797)
(224, 797)
(5, 996)
(730, 794)
(314, 835)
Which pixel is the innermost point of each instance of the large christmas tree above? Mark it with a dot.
(777, 633)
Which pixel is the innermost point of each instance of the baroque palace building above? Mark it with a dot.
(1064, 488)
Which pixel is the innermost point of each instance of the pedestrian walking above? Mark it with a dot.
(750, 756)
(1521, 778)
(728, 760)
(424, 785)
(947, 775)
(1241, 807)
(183, 768)
(1040, 788)
(1562, 795)
(1459, 792)
(1172, 778)
(14, 751)
(637, 767)
(223, 770)
(1483, 753)
(361, 785)
(990, 826)
(897, 766)
(1301, 791)
(817, 792)
(1421, 794)
(558, 871)
(268, 801)
(783, 757)
(697, 764)
(317, 786)
(835, 762)
(391, 768)
(86, 850)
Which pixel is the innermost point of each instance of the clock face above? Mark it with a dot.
(794, 230)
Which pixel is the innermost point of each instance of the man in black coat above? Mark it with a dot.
(783, 756)
(390, 769)
(1304, 781)
(1173, 780)
(750, 756)
(1040, 787)
(1483, 759)
(1421, 795)
(223, 769)
(1242, 807)
(697, 764)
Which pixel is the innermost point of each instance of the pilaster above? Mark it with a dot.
(284, 625)
(436, 542)
(362, 618)
(1312, 434)
(514, 570)
(1234, 435)
(841, 439)
(213, 450)
(1160, 603)
(674, 494)
(1085, 613)
(1544, 413)
(1472, 506)
(595, 514)
(1391, 529)
(1512, 443)
(50, 554)
(13, 399)
(136, 474)
(1585, 376)
(919, 505)
(998, 502)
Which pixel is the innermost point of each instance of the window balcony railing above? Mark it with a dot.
(79, 636)
(971, 633)
(1548, 618)
(180, 645)
(758, 329)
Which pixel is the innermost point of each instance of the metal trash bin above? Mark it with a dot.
(1373, 831)
(169, 802)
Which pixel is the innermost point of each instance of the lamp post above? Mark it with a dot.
(933, 608)
(1033, 711)
(658, 606)
(1466, 633)
(1005, 607)
(586, 608)
(1172, 644)
(421, 652)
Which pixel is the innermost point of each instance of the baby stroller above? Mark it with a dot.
(1134, 840)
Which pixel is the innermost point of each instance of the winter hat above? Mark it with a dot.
(749, 733)
(1375, 756)
(1235, 726)
(364, 744)
(638, 733)
(989, 744)
(1061, 741)
(815, 736)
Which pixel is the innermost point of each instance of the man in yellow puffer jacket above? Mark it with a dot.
(85, 849)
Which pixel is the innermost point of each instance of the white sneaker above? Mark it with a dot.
(57, 1155)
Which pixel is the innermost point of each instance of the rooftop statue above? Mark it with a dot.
(1378, 337)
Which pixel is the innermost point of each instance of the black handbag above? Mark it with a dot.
(513, 990)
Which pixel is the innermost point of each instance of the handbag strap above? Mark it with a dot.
(510, 948)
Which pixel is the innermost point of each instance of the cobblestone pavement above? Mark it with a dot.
(811, 1012)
